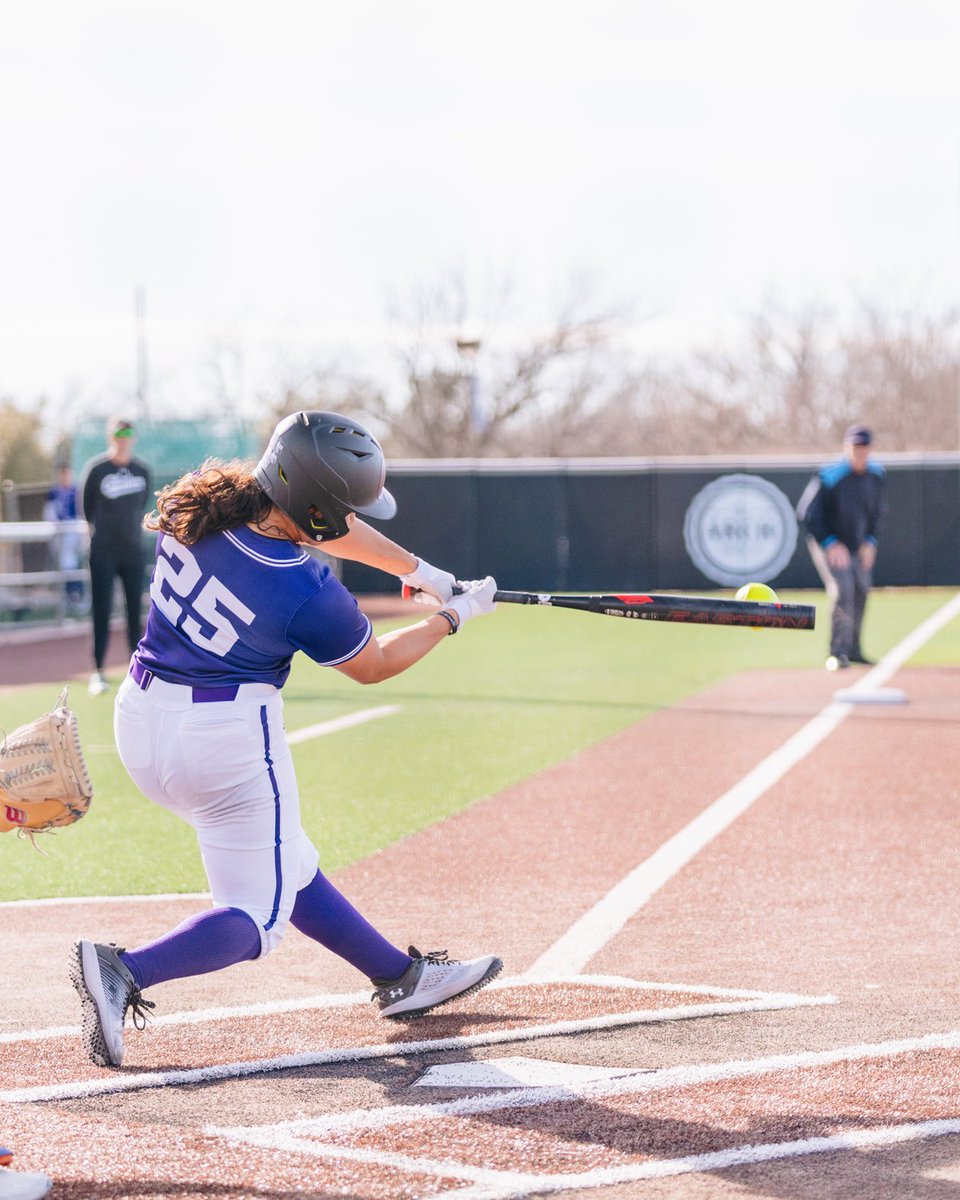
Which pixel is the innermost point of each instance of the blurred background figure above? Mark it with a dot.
(842, 508)
(115, 491)
(67, 545)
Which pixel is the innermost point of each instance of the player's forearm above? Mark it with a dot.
(392, 653)
(401, 648)
(369, 546)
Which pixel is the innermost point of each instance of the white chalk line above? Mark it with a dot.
(338, 723)
(600, 924)
(140, 1081)
(74, 901)
(299, 1134)
(307, 733)
(266, 1008)
(718, 1160)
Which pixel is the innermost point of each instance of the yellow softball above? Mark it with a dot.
(757, 591)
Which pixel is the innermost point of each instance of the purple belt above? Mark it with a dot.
(142, 677)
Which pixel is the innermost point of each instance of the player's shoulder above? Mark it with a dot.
(268, 552)
(831, 473)
(875, 468)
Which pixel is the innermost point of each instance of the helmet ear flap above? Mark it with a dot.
(326, 526)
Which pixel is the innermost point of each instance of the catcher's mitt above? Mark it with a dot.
(44, 781)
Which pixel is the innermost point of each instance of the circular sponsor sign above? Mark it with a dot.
(740, 529)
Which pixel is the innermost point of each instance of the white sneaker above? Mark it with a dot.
(432, 979)
(23, 1185)
(98, 684)
(106, 989)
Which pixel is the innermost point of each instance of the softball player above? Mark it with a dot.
(199, 719)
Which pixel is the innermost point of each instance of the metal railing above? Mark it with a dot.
(33, 581)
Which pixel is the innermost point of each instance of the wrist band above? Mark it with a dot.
(454, 625)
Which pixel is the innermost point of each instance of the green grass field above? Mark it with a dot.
(517, 692)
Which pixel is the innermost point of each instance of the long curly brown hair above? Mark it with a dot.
(217, 496)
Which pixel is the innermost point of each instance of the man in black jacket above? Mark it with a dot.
(842, 508)
(115, 492)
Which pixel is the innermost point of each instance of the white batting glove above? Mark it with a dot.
(474, 599)
(428, 584)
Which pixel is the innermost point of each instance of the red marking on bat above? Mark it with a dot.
(635, 599)
(16, 816)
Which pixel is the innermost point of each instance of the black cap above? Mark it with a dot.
(858, 435)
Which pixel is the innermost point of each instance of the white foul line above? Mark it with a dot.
(338, 723)
(268, 1008)
(305, 734)
(490, 1188)
(109, 1084)
(588, 936)
(296, 1135)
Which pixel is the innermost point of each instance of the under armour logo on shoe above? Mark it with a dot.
(395, 992)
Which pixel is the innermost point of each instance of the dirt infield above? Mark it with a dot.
(776, 1017)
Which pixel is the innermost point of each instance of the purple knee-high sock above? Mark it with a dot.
(323, 914)
(206, 942)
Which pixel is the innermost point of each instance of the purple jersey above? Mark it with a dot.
(236, 606)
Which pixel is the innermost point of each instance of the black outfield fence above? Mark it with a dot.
(605, 524)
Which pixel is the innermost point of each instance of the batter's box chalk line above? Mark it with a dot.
(718, 1002)
(305, 1136)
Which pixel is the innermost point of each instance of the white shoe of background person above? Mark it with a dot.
(98, 684)
(23, 1185)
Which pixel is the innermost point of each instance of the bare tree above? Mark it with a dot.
(900, 373)
(22, 456)
(500, 391)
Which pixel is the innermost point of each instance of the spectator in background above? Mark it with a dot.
(67, 546)
(842, 508)
(115, 492)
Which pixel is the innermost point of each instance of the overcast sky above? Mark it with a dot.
(271, 172)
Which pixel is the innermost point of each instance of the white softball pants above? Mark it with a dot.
(226, 769)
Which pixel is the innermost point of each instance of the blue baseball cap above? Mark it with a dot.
(858, 435)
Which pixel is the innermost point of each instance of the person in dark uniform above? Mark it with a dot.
(115, 492)
(842, 508)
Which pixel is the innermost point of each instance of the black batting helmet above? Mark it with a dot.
(319, 467)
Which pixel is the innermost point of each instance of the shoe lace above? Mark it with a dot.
(138, 1006)
(432, 956)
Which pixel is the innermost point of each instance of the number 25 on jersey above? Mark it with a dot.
(181, 574)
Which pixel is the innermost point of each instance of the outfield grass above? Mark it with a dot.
(515, 693)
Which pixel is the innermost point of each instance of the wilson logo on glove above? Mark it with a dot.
(44, 781)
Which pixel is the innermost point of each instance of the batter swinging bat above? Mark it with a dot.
(691, 610)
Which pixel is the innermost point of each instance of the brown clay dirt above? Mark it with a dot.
(841, 880)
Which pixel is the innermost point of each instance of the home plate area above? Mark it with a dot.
(183, 1049)
(341, 1103)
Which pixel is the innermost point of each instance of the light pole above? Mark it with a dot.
(468, 345)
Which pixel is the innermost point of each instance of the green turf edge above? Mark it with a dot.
(512, 695)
